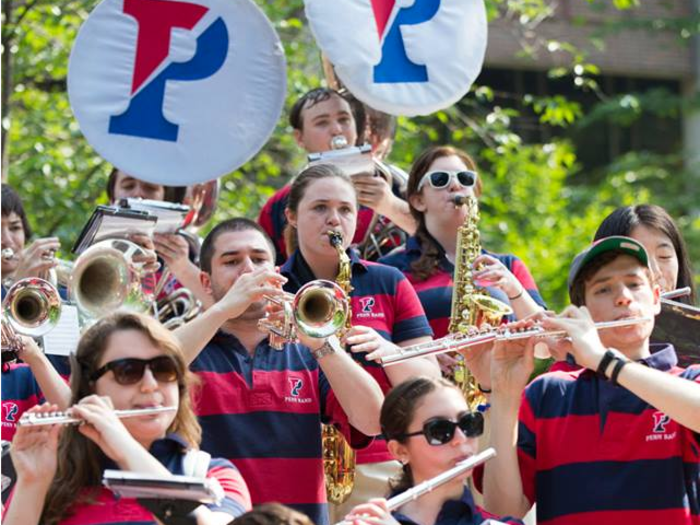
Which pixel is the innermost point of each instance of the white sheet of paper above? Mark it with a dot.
(63, 340)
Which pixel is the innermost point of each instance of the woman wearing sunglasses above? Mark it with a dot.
(429, 429)
(125, 361)
(440, 174)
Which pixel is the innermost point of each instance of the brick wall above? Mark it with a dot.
(656, 53)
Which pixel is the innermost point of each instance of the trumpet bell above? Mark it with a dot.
(107, 276)
(32, 307)
(490, 310)
(320, 308)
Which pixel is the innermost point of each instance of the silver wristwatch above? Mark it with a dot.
(331, 346)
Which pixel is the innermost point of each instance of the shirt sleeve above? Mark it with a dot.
(237, 497)
(527, 448)
(410, 320)
(521, 272)
(333, 414)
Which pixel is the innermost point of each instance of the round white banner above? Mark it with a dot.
(403, 57)
(177, 92)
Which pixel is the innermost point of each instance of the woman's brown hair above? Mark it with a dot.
(428, 262)
(79, 459)
(298, 190)
(397, 412)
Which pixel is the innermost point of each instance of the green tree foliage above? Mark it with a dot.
(538, 202)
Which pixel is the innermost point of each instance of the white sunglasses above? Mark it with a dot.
(439, 179)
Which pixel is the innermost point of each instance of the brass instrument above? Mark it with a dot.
(106, 277)
(338, 455)
(32, 307)
(470, 308)
(319, 309)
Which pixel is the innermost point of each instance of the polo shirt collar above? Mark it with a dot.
(663, 358)
(461, 510)
(298, 271)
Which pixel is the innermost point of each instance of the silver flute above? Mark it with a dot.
(433, 483)
(454, 342)
(62, 418)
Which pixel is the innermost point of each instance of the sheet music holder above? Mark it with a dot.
(150, 486)
(108, 222)
(353, 161)
(171, 216)
(679, 324)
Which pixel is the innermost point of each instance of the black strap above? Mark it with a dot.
(605, 362)
(619, 364)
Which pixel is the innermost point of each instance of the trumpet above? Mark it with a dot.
(431, 484)
(107, 276)
(319, 309)
(62, 418)
(461, 341)
(32, 307)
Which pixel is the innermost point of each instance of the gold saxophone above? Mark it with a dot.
(338, 456)
(471, 309)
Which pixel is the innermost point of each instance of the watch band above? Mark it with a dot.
(331, 346)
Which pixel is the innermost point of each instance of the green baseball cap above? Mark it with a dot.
(619, 243)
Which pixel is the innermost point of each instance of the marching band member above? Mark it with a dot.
(438, 175)
(173, 249)
(34, 261)
(653, 227)
(429, 429)
(317, 117)
(124, 361)
(385, 309)
(617, 441)
(262, 407)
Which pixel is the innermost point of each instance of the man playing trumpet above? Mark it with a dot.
(617, 441)
(262, 408)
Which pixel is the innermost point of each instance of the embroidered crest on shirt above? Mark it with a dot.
(366, 309)
(659, 431)
(295, 391)
(9, 410)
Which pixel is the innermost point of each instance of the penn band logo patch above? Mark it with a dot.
(10, 410)
(296, 386)
(367, 304)
(660, 422)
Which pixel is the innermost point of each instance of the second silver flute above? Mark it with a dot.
(61, 418)
(454, 342)
(430, 484)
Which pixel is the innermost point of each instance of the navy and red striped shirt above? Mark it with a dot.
(435, 292)
(20, 392)
(108, 509)
(264, 413)
(462, 511)
(594, 453)
(273, 221)
(383, 299)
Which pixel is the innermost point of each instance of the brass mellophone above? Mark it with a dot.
(433, 483)
(459, 341)
(62, 418)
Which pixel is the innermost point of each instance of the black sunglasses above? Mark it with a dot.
(440, 430)
(439, 179)
(130, 370)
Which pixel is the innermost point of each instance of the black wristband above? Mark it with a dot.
(619, 364)
(605, 362)
(482, 389)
